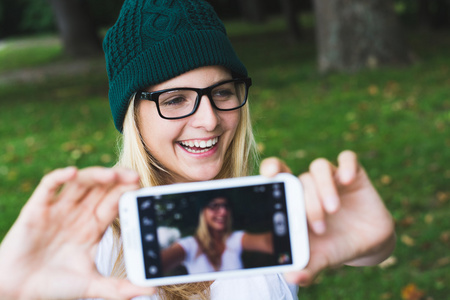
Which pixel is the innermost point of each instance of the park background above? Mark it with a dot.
(394, 113)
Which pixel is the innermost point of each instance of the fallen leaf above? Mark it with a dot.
(386, 179)
(372, 89)
(411, 292)
(26, 186)
(442, 196)
(106, 158)
(76, 154)
(445, 237)
(390, 261)
(260, 147)
(407, 240)
(407, 221)
(300, 154)
(443, 261)
(87, 148)
(429, 218)
(99, 135)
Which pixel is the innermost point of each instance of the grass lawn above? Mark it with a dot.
(396, 119)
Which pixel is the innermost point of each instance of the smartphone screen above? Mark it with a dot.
(184, 219)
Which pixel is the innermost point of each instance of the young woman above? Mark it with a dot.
(178, 94)
(214, 246)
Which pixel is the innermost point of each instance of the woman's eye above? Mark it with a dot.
(223, 93)
(173, 101)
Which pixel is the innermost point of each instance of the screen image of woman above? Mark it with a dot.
(214, 244)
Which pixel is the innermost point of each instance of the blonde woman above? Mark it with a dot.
(214, 246)
(178, 93)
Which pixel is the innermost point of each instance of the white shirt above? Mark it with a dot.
(263, 287)
(231, 257)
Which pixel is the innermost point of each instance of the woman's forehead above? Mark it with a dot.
(198, 78)
(219, 199)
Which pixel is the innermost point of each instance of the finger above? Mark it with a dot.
(114, 288)
(323, 172)
(127, 180)
(85, 180)
(126, 175)
(347, 167)
(272, 166)
(107, 209)
(314, 209)
(121, 180)
(50, 184)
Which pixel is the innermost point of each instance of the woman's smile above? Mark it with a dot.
(199, 146)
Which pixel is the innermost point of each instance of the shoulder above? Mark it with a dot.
(235, 238)
(188, 243)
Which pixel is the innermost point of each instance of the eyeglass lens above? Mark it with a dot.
(217, 206)
(179, 103)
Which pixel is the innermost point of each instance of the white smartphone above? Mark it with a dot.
(157, 222)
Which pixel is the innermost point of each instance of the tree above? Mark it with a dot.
(76, 27)
(252, 10)
(354, 34)
(289, 12)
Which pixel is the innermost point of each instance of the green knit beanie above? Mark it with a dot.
(156, 40)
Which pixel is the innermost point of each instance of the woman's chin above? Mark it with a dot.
(199, 174)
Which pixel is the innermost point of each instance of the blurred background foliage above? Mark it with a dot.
(24, 17)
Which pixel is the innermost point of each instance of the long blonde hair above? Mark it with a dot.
(240, 160)
(206, 242)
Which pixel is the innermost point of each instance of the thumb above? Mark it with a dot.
(272, 166)
(306, 276)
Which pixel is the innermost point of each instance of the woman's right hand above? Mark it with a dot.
(49, 253)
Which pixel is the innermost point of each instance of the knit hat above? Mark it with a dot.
(156, 40)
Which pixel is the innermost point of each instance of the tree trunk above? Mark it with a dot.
(354, 34)
(76, 28)
(290, 15)
(423, 14)
(252, 10)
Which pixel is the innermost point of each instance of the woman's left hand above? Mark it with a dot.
(348, 222)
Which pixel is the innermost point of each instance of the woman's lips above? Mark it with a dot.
(199, 146)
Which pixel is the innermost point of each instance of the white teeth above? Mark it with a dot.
(205, 145)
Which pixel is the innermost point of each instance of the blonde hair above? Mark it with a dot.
(240, 160)
(205, 241)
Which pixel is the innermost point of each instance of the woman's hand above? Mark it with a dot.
(49, 252)
(348, 222)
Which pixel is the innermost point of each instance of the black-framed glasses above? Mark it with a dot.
(217, 206)
(183, 102)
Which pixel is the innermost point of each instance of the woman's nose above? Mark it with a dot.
(205, 116)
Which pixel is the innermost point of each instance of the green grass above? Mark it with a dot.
(396, 119)
(29, 52)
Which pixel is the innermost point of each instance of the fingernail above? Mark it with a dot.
(269, 170)
(331, 203)
(318, 227)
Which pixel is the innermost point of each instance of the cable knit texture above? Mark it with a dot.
(156, 40)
